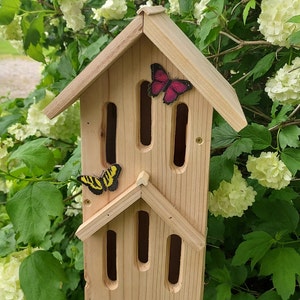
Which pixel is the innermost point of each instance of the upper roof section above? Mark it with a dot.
(165, 35)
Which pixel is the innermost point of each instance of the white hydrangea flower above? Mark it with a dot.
(64, 127)
(5, 144)
(148, 3)
(231, 198)
(199, 10)
(174, 7)
(111, 10)
(269, 170)
(9, 272)
(3, 186)
(13, 33)
(76, 205)
(273, 20)
(285, 85)
(71, 10)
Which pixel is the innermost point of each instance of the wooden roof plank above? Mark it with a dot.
(143, 189)
(109, 212)
(172, 216)
(175, 45)
(102, 62)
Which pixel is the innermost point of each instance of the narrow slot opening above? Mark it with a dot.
(180, 134)
(145, 114)
(143, 239)
(111, 255)
(111, 131)
(175, 243)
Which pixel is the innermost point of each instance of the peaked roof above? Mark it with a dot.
(143, 189)
(166, 35)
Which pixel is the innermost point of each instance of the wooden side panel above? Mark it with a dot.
(134, 283)
(185, 187)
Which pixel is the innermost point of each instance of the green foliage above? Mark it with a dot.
(8, 10)
(48, 276)
(255, 256)
(32, 208)
(283, 265)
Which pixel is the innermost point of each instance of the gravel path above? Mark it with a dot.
(18, 76)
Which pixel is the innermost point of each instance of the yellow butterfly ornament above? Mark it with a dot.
(107, 181)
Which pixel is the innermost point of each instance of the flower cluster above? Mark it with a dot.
(285, 86)
(72, 13)
(13, 33)
(174, 7)
(269, 170)
(274, 18)
(5, 144)
(199, 9)
(63, 127)
(231, 198)
(9, 272)
(111, 10)
(76, 205)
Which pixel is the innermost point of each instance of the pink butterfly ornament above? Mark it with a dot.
(162, 83)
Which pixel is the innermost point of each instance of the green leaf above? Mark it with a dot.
(283, 264)
(294, 38)
(252, 98)
(65, 68)
(41, 277)
(281, 116)
(243, 145)
(37, 157)
(185, 6)
(269, 295)
(255, 246)
(33, 30)
(289, 136)
(223, 135)
(210, 25)
(243, 296)
(75, 252)
(7, 240)
(263, 66)
(36, 52)
(32, 208)
(71, 167)
(294, 19)
(276, 215)
(8, 120)
(8, 9)
(286, 194)
(223, 291)
(93, 49)
(250, 4)
(220, 169)
(291, 158)
(259, 134)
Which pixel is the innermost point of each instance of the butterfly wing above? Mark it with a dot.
(107, 181)
(160, 80)
(94, 184)
(110, 177)
(176, 88)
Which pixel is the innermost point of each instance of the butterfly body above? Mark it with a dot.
(162, 83)
(107, 181)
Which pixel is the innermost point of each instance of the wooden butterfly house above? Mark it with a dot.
(146, 113)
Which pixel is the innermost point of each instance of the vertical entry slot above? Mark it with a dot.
(175, 245)
(111, 131)
(143, 239)
(111, 255)
(145, 114)
(180, 134)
